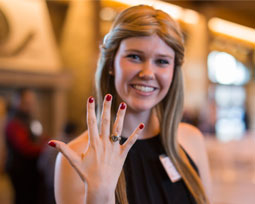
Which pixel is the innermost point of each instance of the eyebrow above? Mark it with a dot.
(141, 52)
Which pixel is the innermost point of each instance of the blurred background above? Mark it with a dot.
(49, 50)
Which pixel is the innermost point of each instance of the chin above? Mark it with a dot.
(141, 107)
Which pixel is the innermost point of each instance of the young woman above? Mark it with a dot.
(138, 81)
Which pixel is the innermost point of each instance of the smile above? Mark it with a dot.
(143, 88)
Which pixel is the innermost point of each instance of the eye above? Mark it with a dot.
(134, 57)
(162, 62)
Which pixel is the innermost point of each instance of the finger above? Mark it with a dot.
(118, 124)
(132, 139)
(106, 117)
(92, 120)
(69, 154)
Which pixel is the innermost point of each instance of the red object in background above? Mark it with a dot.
(18, 135)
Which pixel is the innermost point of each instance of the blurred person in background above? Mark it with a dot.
(207, 118)
(2, 140)
(190, 116)
(25, 140)
(46, 163)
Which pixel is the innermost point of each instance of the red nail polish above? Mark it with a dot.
(122, 106)
(53, 144)
(108, 97)
(91, 99)
(141, 126)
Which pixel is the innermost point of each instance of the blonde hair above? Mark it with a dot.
(145, 21)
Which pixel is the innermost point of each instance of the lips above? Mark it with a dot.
(143, 88)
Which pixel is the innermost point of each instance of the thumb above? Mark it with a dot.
(69, 154)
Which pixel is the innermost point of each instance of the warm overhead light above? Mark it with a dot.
(107, 14)
(173, 10)
(190, 16)
(232, 29)
(177, 12)
(135, 2)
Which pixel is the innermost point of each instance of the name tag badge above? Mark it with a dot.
(170, 169)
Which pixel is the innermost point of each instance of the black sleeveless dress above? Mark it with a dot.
(146, 179)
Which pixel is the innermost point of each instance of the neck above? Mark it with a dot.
(133, 119)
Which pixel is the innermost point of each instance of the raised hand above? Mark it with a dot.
(102, 161)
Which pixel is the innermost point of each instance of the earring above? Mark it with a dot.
(110, 72)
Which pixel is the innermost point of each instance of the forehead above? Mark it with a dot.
(147, 44)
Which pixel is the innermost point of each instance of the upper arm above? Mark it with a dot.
(194, 144)
(201, 158)
(68, 186)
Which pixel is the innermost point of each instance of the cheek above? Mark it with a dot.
(117, 71)
(123, 71)
(166, 79)
(118, 78)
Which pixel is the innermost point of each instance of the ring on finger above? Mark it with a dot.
(115, 138)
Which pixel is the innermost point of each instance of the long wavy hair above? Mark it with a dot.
(146, 21)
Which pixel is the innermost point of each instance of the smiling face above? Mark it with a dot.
(143, 71)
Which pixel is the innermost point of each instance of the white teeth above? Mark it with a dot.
(143, 88)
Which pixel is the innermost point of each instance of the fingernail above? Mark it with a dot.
(108, 97)
(141, 126)
(53, 144)
(91, 99)
(122, 106)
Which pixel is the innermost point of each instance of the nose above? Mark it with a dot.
(147, 72)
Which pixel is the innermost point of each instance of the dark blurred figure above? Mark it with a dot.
(47, 159)
(246, 120)
(208, 118)
(24, 144)
(190, 116)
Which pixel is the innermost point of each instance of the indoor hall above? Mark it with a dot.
(51, 48)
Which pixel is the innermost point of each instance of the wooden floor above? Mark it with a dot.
(234, 193)
(232, 167)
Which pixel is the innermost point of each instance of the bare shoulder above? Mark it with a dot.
(69, 188)
(190, 135)
(193, 142)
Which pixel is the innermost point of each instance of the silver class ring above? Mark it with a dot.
(115, 138)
